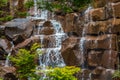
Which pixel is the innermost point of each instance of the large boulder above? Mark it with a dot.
(116, 11)
(100, 73)
(18, 30)
(100, 42)
(70, 51)
(105, 58)
(5, 48)
(2, 27)
(99, 3)
(98, 14)
(103, 27)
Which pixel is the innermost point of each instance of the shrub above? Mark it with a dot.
(116, 74)
(24, 62)
(65, 73)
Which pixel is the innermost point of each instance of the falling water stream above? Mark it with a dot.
(7, 64)
(51, 54)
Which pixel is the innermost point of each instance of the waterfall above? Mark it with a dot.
(51, 56)
(87, 20)
(7, 64)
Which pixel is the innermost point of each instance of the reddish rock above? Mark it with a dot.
(102, 27)
(98, 14)
(5, 70)
(109, 59)
(114, 1)
(100, 42)
(27, 42)
(116, 11)
(70, 20)
(101, 73)
(47, 24)
(70, 51)
(47, 31)
(94, 58)
(99, 3)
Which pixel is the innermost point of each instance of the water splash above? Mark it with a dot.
(7, 64)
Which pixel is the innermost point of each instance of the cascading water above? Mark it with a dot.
(7, 64)
(51, 54)
(88, 19)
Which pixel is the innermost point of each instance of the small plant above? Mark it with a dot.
(116, 74)
(29, 3)
(24, 62)
(65, 73)
(1, 78)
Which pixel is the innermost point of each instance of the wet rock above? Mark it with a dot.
(103, 27)
(70, 51)
(101, 73)
(3, 54)
(99, 3)
(70, 20)
(98, 14)
(85, 74)
(27, 43)
(18, 30)
(47, 31)
(10, 76)
(109, 59)
(5, 48)
(114, 1)
(5, 70)
(116, 12)
(100, 42)
(48, 24)
(94, 58)
(2, 27)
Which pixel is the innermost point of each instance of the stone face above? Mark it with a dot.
(98, 14)
(115, 1)
(94, 58)
(2, 27)
(70, 51)
(47, 24)
(70, 20)
(103, 27)
(100, 42)
(99, 3)
(18, 30)
(47, 31)
(5, 70)
(116, 11)
(5, 48)
(101, 73)
(107, 58)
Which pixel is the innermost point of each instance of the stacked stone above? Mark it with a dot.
(102, 39)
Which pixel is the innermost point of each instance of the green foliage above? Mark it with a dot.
(3, 3)
(116, 74)
(1, 78)
(66, 6)
(29, 3)
(24, 62)
(65, 73)
(21, 14)
(6, 18)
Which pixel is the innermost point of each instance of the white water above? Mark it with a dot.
(7, 64)
(51, 54)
